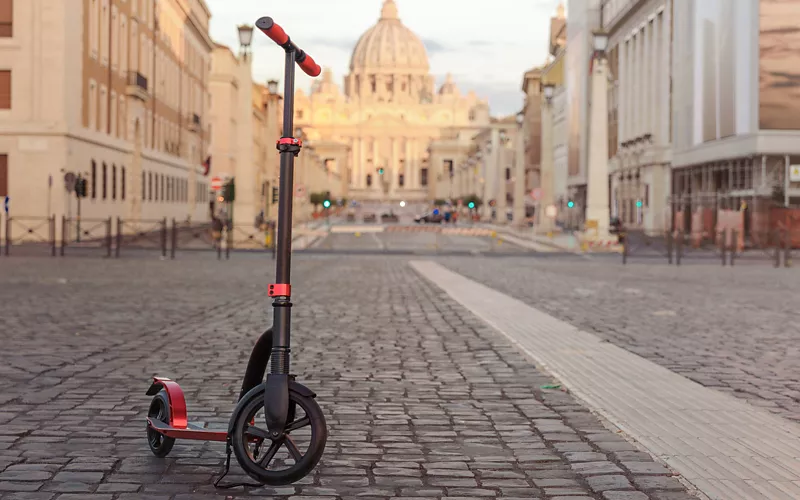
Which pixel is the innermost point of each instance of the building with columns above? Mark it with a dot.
(113, 90)
(378, 133)
(639, 117)
(247, 120)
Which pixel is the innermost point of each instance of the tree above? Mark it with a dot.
(439, 202)
(316, 199)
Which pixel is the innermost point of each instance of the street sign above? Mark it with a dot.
(794, 173)
(6, 202)
(536, 194)
(216, 183)
(69, 182)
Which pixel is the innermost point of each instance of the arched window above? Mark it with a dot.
(105, 181)
(122, 183)
(94, 180)
(113, 182)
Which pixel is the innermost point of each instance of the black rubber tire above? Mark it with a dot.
(254, 400)
(159, 409)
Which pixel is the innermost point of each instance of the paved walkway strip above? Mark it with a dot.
(727, 448)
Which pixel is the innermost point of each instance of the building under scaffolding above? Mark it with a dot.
(753, 195)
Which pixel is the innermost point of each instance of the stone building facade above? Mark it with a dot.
(378, 133)
(113, 90)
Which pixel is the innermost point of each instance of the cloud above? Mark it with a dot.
(433, 47)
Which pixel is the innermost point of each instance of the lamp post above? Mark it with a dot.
(519, 176)
(546, 220)
(501, 201)
(597, 213)
(245, 38)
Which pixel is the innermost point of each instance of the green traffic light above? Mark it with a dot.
(472, 204)
(639, 203)
(571, 204)
(326, 203)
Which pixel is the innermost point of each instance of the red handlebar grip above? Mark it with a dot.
(272, 30)
(310, 67)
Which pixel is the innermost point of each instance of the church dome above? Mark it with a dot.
(389, 47)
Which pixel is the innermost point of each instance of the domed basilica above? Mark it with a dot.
(377, 133)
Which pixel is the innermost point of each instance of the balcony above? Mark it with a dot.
(137, 86)
(194, 122)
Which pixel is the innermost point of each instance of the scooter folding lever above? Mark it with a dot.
(280, 290)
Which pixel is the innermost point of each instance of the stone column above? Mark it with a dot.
(597, 174)
(547, 168)
(519, 177)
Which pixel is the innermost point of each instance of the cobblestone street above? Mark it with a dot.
(423, 400)
(731, 329)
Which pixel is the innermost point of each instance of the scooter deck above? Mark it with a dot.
(192, 431)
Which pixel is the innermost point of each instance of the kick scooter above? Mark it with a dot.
(277, 430)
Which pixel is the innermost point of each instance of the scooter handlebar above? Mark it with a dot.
(277, 35)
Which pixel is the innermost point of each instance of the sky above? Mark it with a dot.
(486, 45)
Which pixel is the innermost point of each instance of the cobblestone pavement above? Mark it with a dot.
(732, 329)
(422, 399)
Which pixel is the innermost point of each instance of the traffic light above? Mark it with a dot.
(80, 187)
(380, 171)
(274, 195)
(326, 203)
(638, 203)
(471, 205)
(229, 191)
(571, 204)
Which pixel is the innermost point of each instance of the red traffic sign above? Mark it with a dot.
(216, 183)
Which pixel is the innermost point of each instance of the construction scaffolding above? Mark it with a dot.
(748, 195)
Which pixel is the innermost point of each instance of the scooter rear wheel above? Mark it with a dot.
(288, 458)
(159, 444)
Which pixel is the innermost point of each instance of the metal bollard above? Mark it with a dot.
(174, 240)
(229, 243)
(108, 237)
(787, 250)
(734, 246)
(64, 230)
(778, 244)
(119, 238)
(723, 245)
(624, 248)
(669, 247)
(679, 249)
(164, 238)
(52, 226)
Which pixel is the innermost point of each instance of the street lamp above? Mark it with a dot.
(520, 118)
(549, 90)
(272, 86)
(245, 37)
(599, 42)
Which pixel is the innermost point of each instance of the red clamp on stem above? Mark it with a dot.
(290, 141)
(282, 290)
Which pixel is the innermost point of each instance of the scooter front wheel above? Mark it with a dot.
(287, 458)
(159, 409)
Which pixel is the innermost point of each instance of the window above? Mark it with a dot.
(122, 183)
(369, 180)
(94, 26)
(150, 186)
(6, 18)
(114, 38)
(105, 181)
(113, 182)
(94, 180)
(104, 34)
(92, 121)
(401, 180)
(103, 121)
(123, 44)
(423, 177)
(155, 197)
(3, 175)
(163, 187)
(5, 88)
(114, 117)
(448, 166)
(508, 174)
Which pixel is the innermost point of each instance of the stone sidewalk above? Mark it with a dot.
(423, 400)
